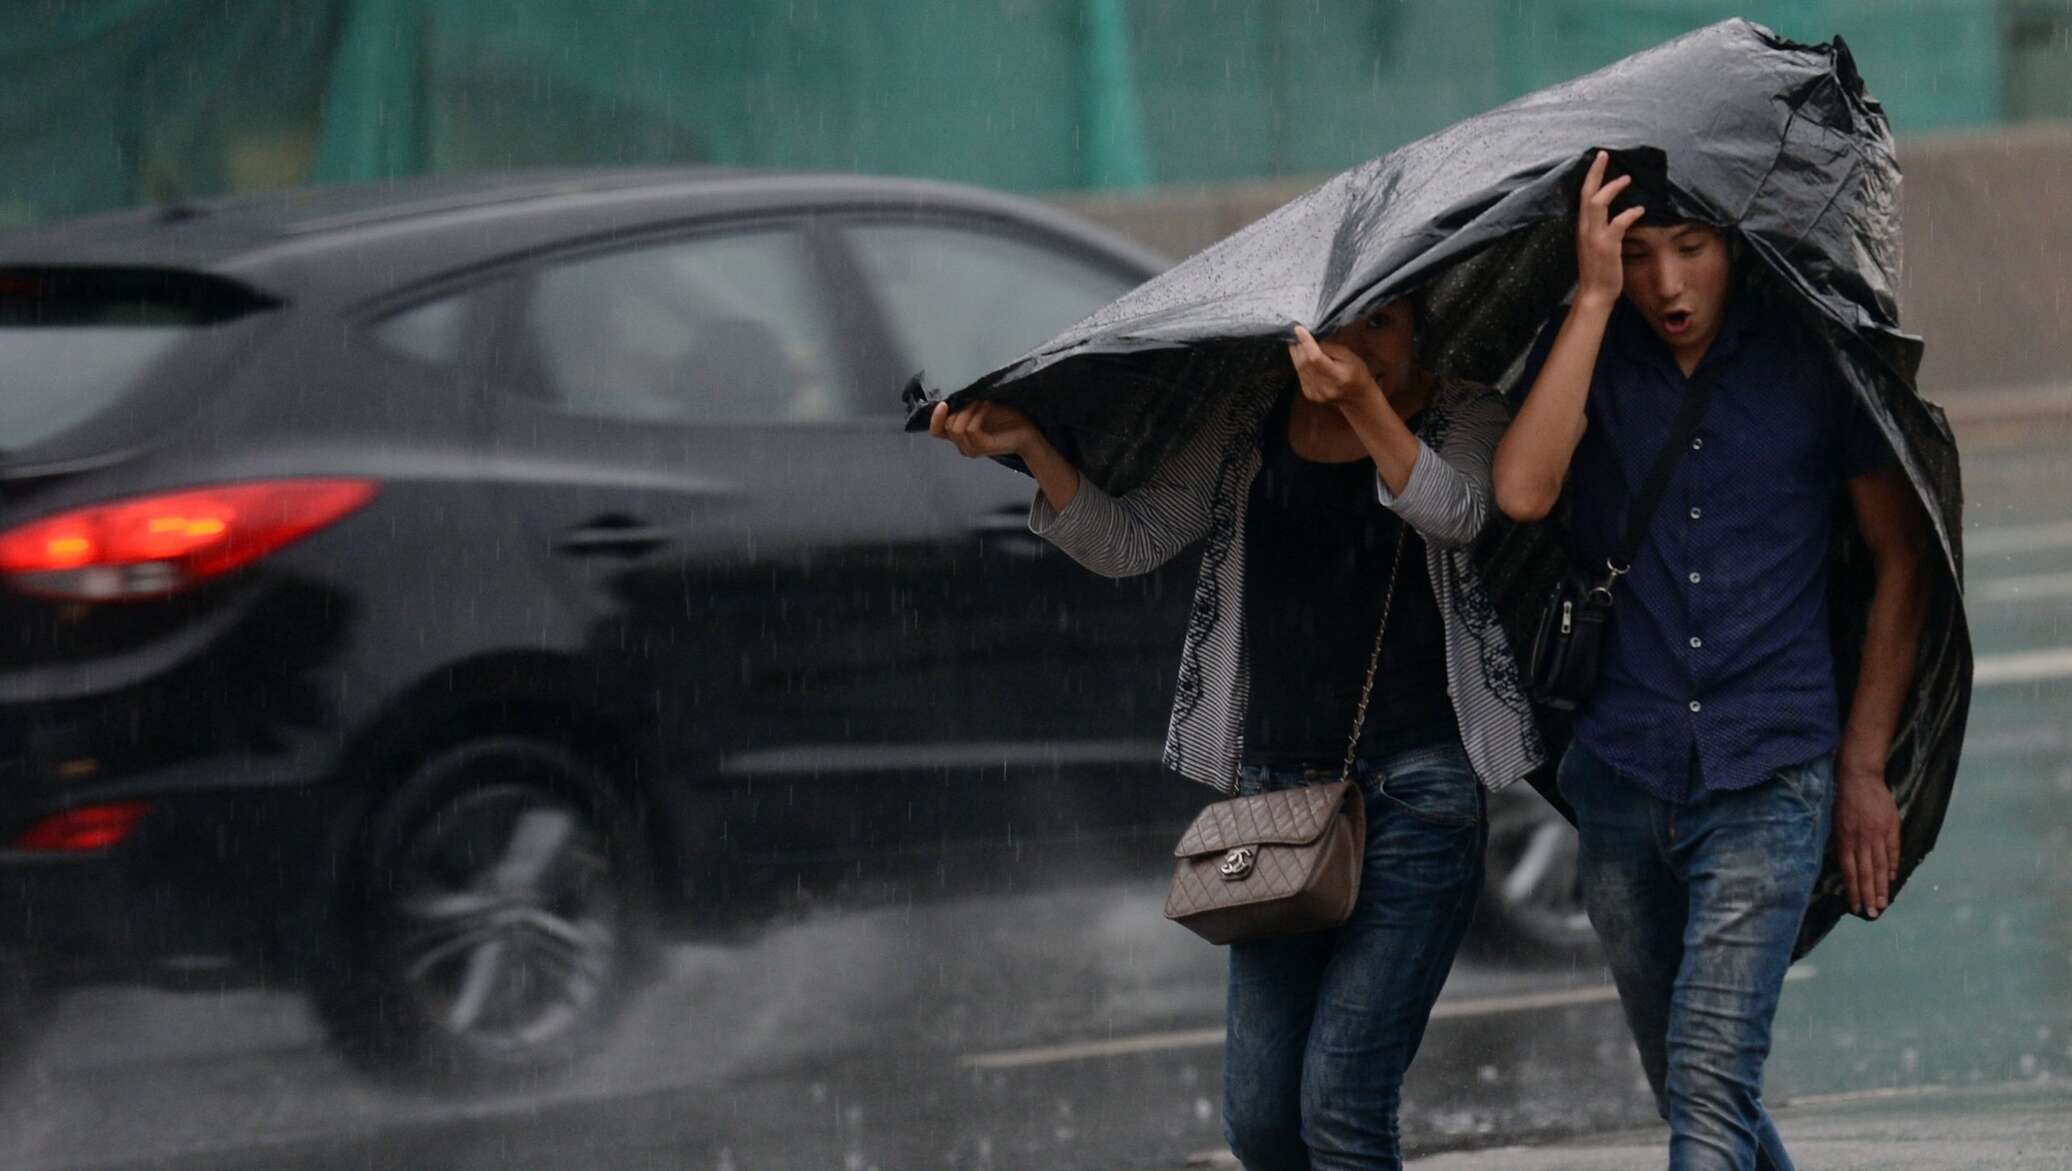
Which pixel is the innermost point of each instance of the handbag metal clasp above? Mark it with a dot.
(1237, 864)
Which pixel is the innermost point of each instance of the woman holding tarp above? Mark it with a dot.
(1338, 506)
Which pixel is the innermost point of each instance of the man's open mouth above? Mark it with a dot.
(1676, 320)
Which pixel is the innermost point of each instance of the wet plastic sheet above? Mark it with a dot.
(1776, 140)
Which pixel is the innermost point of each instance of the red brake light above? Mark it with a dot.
(164, 543)
(80, 831)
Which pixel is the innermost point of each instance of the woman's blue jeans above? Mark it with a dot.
(1698, 906)
(1323, 1026)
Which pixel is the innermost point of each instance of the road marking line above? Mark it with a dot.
(2023, 667)
(1928, 1090)
(2015, 742)
(1083, 1050)
(814, 759)
(1881, 1094)
(1211, 1038)
(2018, 539)
(2033, 587)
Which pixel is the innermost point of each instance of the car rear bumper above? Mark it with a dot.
(224, 875)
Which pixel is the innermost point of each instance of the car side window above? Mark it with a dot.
(965, 302)
(431, 331)
(718, 329)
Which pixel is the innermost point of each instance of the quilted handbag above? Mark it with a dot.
(1279, 863)
(1283, 862)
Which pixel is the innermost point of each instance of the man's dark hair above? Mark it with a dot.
(1649, 189)
(1650, 192)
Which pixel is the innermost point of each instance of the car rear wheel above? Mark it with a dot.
(1532, 906)
(499, 920)
(25, 1001)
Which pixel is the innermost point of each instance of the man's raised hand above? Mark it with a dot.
(1600, 273)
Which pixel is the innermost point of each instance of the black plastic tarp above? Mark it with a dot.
(1774, 140)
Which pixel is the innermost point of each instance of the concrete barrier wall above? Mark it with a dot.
(1988, 252)
(1988, 262)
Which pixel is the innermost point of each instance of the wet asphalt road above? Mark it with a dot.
(1078, 1029)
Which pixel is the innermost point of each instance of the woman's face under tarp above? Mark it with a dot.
(1385, 338)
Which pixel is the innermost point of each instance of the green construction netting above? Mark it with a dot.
(106, 103)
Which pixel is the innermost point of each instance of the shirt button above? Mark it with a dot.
(1697, 642)
(1696, 706)
(1697, 445)
(1696, 513)
(1696, 578)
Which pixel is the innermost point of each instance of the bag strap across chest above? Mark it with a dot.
(1649, 499)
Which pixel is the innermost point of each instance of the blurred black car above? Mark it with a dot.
(431, 593)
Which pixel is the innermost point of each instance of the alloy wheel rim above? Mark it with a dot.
(505, 911)
(1539, 883)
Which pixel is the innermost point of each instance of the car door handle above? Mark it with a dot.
(613, 535)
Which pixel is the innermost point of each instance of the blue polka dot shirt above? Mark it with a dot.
(1719, 670)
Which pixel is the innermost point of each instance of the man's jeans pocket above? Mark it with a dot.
(1813, 783)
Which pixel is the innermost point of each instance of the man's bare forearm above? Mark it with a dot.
(1532, 460)
(1898, 612)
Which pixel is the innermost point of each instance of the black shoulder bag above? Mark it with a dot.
(1568, 649)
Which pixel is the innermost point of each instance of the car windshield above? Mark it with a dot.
(59, 378)
(75, 342)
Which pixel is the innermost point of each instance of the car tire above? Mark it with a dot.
(26, 998)
(497, 920)
(1532, 904)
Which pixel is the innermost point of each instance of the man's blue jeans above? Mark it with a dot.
(1323, 1026)
(1698, 906)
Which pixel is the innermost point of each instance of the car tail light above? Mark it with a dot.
(149, 546)
(84, 830)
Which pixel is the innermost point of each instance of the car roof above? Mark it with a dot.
(394, 234)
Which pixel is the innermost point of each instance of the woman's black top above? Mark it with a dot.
(1318, 546)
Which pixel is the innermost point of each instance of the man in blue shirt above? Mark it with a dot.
(1713, 765)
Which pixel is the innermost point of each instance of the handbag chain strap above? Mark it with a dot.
(1388, 602)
